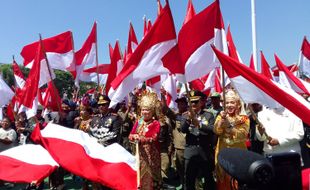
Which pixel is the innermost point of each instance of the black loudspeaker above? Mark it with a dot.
(287, 170)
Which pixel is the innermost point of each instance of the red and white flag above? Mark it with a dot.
(232, 50)
(59, 52)
(159, 6)
(146, 61)
(195, 38)
(110, 51)
(253, 87)
(131, 44)
(26, 164)
(87, 55)
(50, 98)
(170, 86)
(82, 155)
(251, 65)
(115, 67)
(90, 74)
(265, 67)
(287, 79)
(18, 75)
(6, 93)
(39, 75)
(190, 13)
(304, 58)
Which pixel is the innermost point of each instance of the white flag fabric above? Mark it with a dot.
(26, 164)
(6, 93)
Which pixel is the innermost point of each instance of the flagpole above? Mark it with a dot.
(223, 87)
(138, 164)
(97, 67)
(49, 71)
(76, 83)
(253, 15)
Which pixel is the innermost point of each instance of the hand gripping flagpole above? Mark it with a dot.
(49, 71)
(260, 125)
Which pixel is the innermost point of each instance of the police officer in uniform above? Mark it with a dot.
(106, 125)
(199, 154)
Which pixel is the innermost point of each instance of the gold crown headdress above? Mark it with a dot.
(231, 94)
(148, 100)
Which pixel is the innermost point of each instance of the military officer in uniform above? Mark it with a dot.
(197, 124)
(106, 125)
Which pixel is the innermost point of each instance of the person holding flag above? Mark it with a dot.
(232, 129)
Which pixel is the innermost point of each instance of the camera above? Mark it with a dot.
(253, 171)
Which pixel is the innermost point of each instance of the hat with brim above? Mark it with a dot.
(103, 100)
(194, 95)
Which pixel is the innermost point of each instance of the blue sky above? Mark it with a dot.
(281, 24)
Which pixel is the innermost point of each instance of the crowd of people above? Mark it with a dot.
(186, 140)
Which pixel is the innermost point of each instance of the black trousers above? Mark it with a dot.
(196, 165)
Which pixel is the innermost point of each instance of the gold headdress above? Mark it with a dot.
(148, 100)
(231, 94)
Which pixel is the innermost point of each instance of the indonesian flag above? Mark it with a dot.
(232, 50)
(90, 74)
(6, 93)
(253, 87)
(115, 67)
(195, 38)
(39, 75)
(18, 75)
(26, 164)
(59, 52)
(275, 71)
(147, 25)
(265, 67)
(251, 65)
(190, 13)
(213, 81)
(146, 61)
(304, 58)
(170, 86)
(110, 50)
(287, 79)
(159, 6)
(81, 155)
(209, 83)
(87, 55)
(131, 44)
(50, 98)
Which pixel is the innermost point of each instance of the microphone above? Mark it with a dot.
(246, 167)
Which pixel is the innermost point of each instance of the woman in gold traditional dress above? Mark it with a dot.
(232, 130)
(145, 132)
